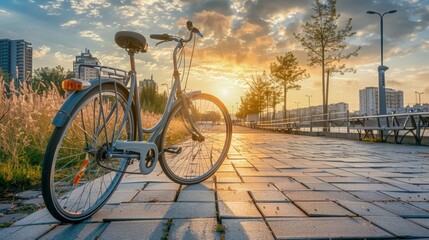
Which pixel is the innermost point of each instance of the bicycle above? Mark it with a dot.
(98, 134)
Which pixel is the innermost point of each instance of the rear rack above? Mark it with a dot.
(109, 72)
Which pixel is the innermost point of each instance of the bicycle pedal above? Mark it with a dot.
(175, 150)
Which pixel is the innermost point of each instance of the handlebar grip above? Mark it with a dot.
(162, 37)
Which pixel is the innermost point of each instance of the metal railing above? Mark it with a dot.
(378, 127)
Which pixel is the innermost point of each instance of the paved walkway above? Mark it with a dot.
(272, 186)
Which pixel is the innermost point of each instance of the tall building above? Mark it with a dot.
(16, 58)
(368, 100)
(85, 73)
(148, 83)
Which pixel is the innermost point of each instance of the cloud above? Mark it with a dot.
(91, 35)
(41, 51)
(69, 24)
(61, 57)
(90, 7)
(52, 7)
(4, 12)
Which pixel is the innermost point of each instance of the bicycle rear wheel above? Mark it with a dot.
(77, 179)
(188, 159)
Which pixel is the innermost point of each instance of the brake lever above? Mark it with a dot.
(161, 42)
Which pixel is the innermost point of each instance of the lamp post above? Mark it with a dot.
(297, 105)
(309, 96)
(420, 99)
(381, 69)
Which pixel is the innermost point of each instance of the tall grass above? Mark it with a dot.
(25, 129)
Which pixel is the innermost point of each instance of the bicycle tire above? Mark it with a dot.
(197, 159)
(71, 173)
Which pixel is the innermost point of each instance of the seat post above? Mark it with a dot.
(132, 62)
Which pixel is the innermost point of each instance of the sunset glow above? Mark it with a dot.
(241, 38)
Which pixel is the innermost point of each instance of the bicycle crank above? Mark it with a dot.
(148, 153)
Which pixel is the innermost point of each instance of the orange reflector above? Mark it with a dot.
(81, 171)
(75, 85)
(71, 85)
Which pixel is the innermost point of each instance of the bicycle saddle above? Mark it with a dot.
(131, 41)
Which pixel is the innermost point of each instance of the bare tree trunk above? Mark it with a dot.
(284, 100)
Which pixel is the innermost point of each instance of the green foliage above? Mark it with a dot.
(325, 42)
(151, 100)
(45, 79)
(286, 72)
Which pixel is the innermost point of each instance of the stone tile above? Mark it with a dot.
(319, 228)
(120, 196)
(351, 179)
(233, 196)
(72, 231)
(33, 201)
(12, 217)
(135, 186)
(372, 196)
(422, 205)
(194, 229)
(399, 227)
(321, 186)
(4, 207)
(196, 196)
(323, 209)
(246, 186)
(420, 221)
(238, 210)
(403, 209)
(28, 194)
(148, 229)
(155, 196)
(365, 209)
(136, 211)
(290, 185)
(408, 196)
(162, 186)
(319, 196)
(280, 210)
(251, 229)
(26, 232)
(228, 179)
(366, 187)
(204, 186)
(40, 217)
(269, 196)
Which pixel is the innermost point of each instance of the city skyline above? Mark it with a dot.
(241, 39)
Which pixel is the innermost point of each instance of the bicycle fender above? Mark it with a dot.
(64, 112)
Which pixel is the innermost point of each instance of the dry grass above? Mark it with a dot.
(24, 132)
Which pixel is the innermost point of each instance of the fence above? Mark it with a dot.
(381, 127)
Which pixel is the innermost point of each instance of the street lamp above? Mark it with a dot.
(309, 96)
(381, 69)
(420, 99)
(297, 105)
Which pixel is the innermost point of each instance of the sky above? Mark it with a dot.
(241, 39)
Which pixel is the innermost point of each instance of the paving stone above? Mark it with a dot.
(246, 186)
(420, 221)
(120, 196)
(399, 227)
(238, 210)
(4, 207)
(155, 196)
(251, 229)
(26, 232)
(290, 185)
(40, 217)
(408, 196)
(280, 210)
(372, 196)
(134, 211)
(196, 196)
(323, 209)
(226, 179)
(135, 186)
(148, 229)
(365, 209)
(72, 231)
(204, 186)
(321, 186)
(365, 187)
(269, 196)
(12, 217)
(422, 205)
(28, 194)
(194, 229)
(162, 186)
(33, 201)
(233, 196)
(319, 196)
(319, 228)
(403, 209)
(353, 179)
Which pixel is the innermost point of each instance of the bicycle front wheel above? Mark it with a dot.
(77, 176)
(187, 158)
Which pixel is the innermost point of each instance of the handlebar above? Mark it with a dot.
(166, 37)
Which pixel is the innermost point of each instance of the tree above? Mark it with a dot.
(151, 100)
(287, 73)
(45, 79)
(325, 43)
(258, 94)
